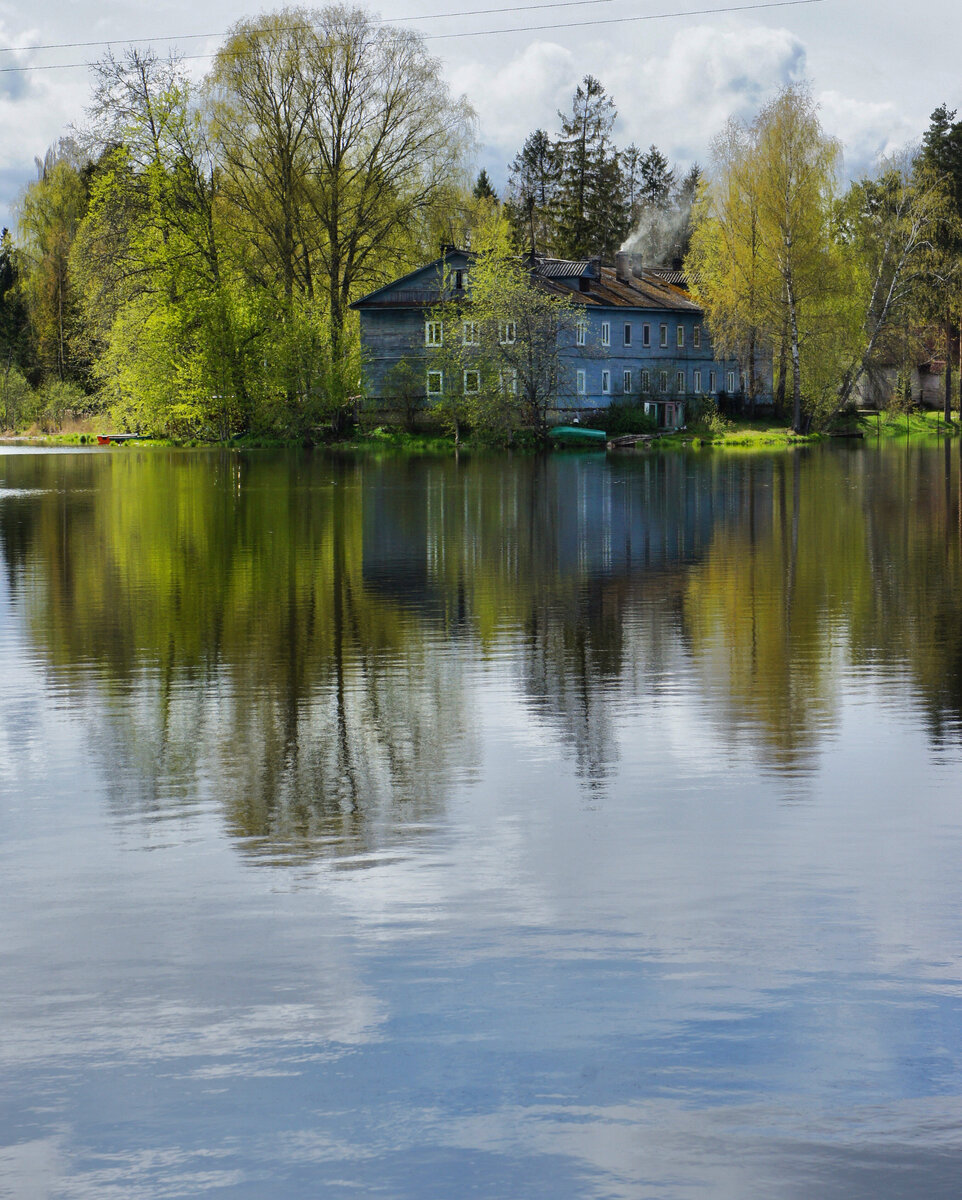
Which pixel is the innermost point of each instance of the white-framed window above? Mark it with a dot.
(459, 279)
(646, 334)
(663, 338)
(696, 337)
(663, 381)
(646, 381)
(712, 382)
(507, 332)
(626, 383)
(471, 334)
(580, 382)
(433, 333)
(680, 336)
(606, 333)
(606, 382)
(582, 332)
(696, 382)
(731, 381)
(679, 381)
(627, 334)
(435, 383)
(508, 381)
(472, 382)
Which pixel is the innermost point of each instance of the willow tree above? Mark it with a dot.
(337, 135)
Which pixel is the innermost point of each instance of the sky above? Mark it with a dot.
(877, 70)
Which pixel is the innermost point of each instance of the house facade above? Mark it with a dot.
(640, 338)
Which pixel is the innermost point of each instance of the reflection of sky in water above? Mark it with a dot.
(689, 973)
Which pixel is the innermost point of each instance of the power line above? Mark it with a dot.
(434, 37)
(187, 37)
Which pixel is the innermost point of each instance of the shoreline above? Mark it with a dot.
(743, 435)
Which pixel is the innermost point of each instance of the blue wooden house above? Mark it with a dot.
(641, 338)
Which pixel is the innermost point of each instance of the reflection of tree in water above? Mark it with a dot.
(289, 637)
(208, 613)
(914, 521)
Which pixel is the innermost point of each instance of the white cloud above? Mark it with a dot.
(867, 130)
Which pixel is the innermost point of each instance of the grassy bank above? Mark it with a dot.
(719, 432)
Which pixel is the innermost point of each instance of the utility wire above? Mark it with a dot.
(477, 12)
(434, 37)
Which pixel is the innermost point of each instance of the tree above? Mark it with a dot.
(795, 163)
(13, 314)
(940, 163)
(483, 189)
(503, 356)
(887, 223)
(49, 215)
(533, 183)
(337, 135)
(724, 262)
(590, 204)
(764, 231)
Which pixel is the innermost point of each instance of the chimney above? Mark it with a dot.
(637, 265)
(622, 260)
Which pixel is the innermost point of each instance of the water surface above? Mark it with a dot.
(560, 828)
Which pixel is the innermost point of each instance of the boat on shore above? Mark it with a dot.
(577, 433)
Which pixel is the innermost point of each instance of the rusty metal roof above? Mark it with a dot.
(649, 291)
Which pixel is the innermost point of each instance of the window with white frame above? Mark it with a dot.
(627, 334)
(435, 383)
(508, 332)
(580, 382)
(679, 381)
(606, 382)
(472, 383)
(646, 381)
(663, 381)
(680, 337)
(508, 381)
(696, 382)
(712, 382)
(433, 333)
(696, 337)
(731, 381)
(582, 332)
(663, 339)
(646, 335)
(626, 383)
(606, 333)
(471, 335)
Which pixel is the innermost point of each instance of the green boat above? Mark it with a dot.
(577, 433)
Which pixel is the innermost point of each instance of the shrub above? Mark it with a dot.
(619, 419)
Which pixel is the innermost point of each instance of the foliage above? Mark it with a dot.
(621, 419)
(764, 259)
(49, 215)
(502, 358)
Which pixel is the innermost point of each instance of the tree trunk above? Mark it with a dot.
(796, 363)
(947, 413)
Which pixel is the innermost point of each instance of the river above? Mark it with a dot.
(508, 828)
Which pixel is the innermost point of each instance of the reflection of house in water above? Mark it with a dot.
(572, 516)
(585, 556)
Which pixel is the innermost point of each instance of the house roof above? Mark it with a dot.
(649, 290)
(565, 268)
(582, 281)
